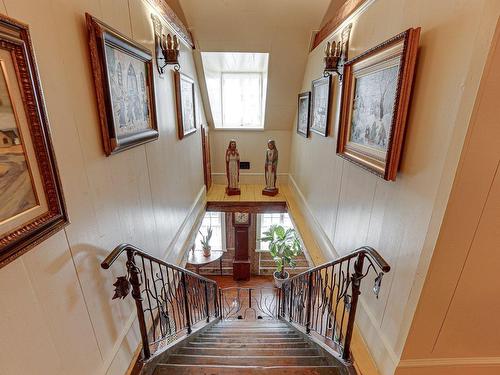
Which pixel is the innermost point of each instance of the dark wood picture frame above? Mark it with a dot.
(34, 228)
(179, 78)
(100, 37)
(401, 49)
(325, 121)
(304, 96)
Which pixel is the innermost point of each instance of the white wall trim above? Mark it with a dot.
(321, 237)
(108, 362)
(440, 362)
(176, 248)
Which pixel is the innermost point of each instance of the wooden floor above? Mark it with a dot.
(254, 282)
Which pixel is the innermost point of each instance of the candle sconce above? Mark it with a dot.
(336, 54)
(166, 47)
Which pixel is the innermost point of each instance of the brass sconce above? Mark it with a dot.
(167, 47)
(336, 54)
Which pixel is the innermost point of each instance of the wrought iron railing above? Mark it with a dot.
(324, 299)
(249, 303)
(169, 299)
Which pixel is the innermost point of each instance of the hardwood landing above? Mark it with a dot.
(249, 193)
(254, 282)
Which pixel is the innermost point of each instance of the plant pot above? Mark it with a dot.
(279, 281)
(206, 251)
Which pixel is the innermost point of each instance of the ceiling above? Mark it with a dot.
(281, 27)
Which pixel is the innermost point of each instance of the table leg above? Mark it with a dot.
(220, 264)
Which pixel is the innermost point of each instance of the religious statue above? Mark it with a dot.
(270, 169)
(232, 169)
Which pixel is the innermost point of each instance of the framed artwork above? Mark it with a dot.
(320, 107)
(123, 76)
(303, 112)
(32, 206)
(185, 102)
(375, 99)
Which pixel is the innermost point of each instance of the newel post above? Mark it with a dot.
(134, 273)
(309, 302)
(186, 303)
(355, 282)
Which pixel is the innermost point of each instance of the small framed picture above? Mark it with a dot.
(185, 100)
(320, 107)
(123, 75)
(303, 112)
(375, 100)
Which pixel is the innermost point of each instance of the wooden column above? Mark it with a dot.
(241, 262)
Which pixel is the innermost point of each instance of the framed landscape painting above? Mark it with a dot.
(303, 112)
(375, 99)
(185, 103)
(32, 205)
(123, 75)
(320, 107)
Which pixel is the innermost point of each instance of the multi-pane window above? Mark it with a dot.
(236, 84)
(215, 220)
(241, 100)
(264, 222)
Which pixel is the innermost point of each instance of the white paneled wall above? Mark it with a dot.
(402, 218)
(57, 316)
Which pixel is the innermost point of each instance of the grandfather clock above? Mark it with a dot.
(241, 262)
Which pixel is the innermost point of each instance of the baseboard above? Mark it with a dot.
(249, 178)
(452, 366)
(184, 236)
(321, 237)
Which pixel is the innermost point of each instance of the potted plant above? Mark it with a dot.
(205, 242)
(284, 246)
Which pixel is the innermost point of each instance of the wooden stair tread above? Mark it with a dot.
(246, 360)
(165, 369)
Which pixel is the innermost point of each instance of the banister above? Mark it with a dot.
(111, 258)
(372, 254)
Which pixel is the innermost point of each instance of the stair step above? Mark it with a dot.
(171, 369)
(250, 351)
(217, 335)
(249, 345)
(242, 339)
(247, 360)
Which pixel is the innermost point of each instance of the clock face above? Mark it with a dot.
(241, 217)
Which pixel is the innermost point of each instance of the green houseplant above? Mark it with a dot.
(205, 241)
(284, 246)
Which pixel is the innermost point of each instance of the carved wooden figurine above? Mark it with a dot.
(270, 169)
(232, 169)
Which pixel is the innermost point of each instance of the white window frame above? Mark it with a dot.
(261, 98)
(222, 218)
(258, 228)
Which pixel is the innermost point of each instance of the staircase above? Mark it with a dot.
(248, 347)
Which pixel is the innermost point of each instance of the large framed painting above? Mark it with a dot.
(320, 106)
(32, 205)
(185, 102)
(303, 112)
(375, 98)
(123, 76)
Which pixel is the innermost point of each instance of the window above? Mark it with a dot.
(264, 222)
(215, 220)
(236, 85)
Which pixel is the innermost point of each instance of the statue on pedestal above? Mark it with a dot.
(270, 169)
(232, 169)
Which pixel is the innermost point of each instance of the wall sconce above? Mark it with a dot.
(336, 54)
(166, 47)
